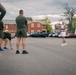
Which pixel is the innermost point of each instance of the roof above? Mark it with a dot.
(9, 21)
(37, 21)
(13, 22)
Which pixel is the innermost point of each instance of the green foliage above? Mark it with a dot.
(48, 24)
(70, 12)
(72, 30)
(29, 18)
(48, 27)
(73, 24)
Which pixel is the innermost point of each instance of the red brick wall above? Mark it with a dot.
(36, 28)
(12, 27)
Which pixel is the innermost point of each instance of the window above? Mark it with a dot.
(32, 25)
(6, 26)
(38, 24)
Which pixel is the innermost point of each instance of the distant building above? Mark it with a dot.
(36, 27)
(10, 25)
(57, 27)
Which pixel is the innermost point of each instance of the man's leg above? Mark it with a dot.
(24, 45)
(17, 45)
(63, 41)
(5, 42)
(1, 44)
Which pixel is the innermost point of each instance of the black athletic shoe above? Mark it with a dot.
(17, 52)
(5, 48)
(24, 52)
(1, 49)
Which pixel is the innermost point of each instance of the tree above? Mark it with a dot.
(29, 18)
(74, 24)
(70, 12)
(48, 24)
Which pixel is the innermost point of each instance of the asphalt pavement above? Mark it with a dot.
(46, 57)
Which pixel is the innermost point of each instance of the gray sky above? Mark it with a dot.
(36, 8)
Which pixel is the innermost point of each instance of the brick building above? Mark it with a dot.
(10, 25)
(32, 26)
(36, 27)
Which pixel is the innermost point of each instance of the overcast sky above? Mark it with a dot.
(36, 8)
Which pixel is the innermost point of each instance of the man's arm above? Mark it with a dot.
(26, 24)
(2, 12)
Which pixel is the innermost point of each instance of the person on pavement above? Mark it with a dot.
(2, 14)
(21, 32)
(7, 36)
(63, 33)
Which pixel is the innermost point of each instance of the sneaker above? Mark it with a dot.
(24, 52)
(62, 45)
(6, 48)
(65, 43)
(1, 49)
(17, 52)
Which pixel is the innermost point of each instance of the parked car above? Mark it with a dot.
(69, 35)
(54, 34)
(28, 34)
(39, 34)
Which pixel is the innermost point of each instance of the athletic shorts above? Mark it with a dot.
(1, 34)
(63, 34)
(21, 33)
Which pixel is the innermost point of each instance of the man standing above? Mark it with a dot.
(2, 13)
(21, 32)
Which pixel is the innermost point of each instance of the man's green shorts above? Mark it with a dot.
(1, 34)
(21, 33)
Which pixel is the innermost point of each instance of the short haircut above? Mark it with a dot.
(21, 11)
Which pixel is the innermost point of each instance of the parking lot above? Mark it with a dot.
(46, 57)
